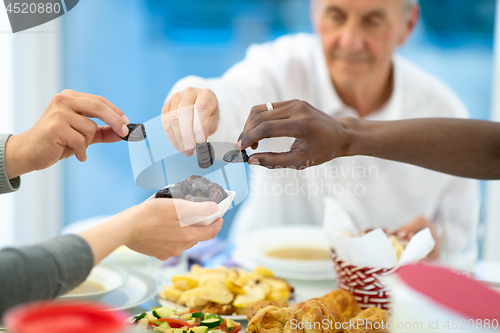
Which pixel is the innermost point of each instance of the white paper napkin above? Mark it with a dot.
(420, 245)
(375, 250)
(336, 220)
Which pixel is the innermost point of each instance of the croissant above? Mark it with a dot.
(254, 308)
(314, 317)
(342, 300)
(270, 319)
(371, 320)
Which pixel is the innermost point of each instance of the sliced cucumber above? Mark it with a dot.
(191, 321)
(186, 316)
(197, 314)
(165, 312)
(230, 324)
(179, 330)
(151, 318)
(163, 324)
(211, 315)
(163, 330)
(142, 325)
(199, 329)
(139, 317)
(211, 322)
(156, 314)
(217, 331)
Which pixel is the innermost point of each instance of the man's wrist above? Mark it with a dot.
(350, 128)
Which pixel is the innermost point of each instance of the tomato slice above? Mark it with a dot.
(193, 311)
(236, 329)
(175, 323)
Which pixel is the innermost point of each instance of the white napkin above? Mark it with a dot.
(372, 250)
(420, 245)
(336, 220)
(375, 250)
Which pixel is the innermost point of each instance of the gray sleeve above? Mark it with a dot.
(43, 271)
(6, 185)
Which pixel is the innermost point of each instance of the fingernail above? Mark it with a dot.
(238, 145)
(126, 120)
(199, 138)
(254, 161)
(124, 130)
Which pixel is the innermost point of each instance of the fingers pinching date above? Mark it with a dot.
(196, 189)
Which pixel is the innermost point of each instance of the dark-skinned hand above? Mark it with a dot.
(318, 137)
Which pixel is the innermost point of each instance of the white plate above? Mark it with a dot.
(109, 277)
(249, 263)
(207, 220)
(256, 244)
(164, 302)
(138, 289)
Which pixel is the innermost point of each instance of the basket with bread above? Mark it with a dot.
(225, 291)
(362, 262)
(337, 311)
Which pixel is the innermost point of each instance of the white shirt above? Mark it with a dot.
(375, 192)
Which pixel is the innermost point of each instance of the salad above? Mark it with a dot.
(167, 320)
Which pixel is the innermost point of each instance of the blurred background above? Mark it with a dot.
(133, 51)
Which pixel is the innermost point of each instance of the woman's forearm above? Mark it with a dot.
(461, 147)
(108, 236)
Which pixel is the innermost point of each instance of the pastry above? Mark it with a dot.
(342, 300)
(270, 319)
(314, 317)
(371, 320)
(254, 308)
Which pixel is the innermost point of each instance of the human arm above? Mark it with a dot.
(64, 130)
(269, 72)
(6, 185)
(461, 147)
(153, 228)
(43, 271)
(53, 268)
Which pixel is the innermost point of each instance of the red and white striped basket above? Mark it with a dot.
(364, 282)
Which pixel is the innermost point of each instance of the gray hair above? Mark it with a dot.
(407, 5)
(410, 3)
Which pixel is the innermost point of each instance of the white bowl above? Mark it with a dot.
(255, 245)
(108, 277)
(223, 207)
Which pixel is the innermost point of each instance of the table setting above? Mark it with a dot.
(271, 277)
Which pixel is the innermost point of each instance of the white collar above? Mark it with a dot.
(334, 106)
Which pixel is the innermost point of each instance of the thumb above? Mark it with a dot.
(276, 160)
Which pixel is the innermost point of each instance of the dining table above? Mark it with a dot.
(209, 254)
(217, 252)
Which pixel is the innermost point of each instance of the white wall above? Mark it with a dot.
(492, 240)
(6, 122)
(35, 210)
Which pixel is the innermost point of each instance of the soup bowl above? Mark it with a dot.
(257, 245)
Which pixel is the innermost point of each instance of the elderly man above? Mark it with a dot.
(347, 69)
